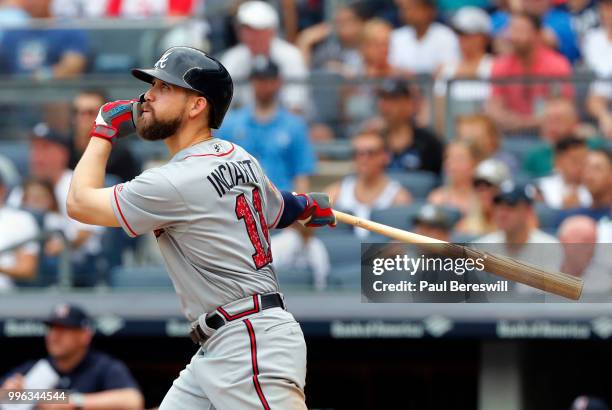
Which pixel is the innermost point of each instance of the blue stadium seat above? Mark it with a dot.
(419, 183)
(113, 54)
(519, 146)
(398, 216)
(325, 95)
(457, 237)
(148, 150)
(338, 150)
(19, 153)
(548, 217)
(140, 277)
(295, 279)
(345, 258)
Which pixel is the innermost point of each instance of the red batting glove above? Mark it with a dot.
(318, 210)
(116, 120)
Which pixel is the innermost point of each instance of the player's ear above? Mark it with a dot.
(197, 106)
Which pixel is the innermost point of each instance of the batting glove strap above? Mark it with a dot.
(318, 211)
(115, 120)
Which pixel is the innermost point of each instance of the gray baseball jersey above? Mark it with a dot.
(210, 208)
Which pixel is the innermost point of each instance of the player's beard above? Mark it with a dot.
(157, 130)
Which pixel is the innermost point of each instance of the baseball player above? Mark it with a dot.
(210, 207)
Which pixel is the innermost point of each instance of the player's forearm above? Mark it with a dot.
(88, 201)
(90, 171)
(118, 399)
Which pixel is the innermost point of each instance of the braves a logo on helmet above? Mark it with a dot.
(161, 63)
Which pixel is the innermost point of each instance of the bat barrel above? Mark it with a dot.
(557, 283)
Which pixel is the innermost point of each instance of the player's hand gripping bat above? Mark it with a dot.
(558, 283)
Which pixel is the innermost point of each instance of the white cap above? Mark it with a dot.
(493, 171)
(471, 20)
(258, 15)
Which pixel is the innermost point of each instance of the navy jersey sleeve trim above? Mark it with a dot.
(294, 206)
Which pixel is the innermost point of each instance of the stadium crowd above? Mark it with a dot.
(496, 114)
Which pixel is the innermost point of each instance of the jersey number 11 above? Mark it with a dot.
(261, 257)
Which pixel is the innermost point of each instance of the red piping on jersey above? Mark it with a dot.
(121, 213)
(212, 155)
(264, 402)
(229, 317)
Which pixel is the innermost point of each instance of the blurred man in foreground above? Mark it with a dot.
(96, 380)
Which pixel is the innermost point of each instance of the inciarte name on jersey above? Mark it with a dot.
(232, 173)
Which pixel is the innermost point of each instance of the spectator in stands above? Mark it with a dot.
(598, 43)
(275, 136)
(565, 189)
(460, 161)
(18, 246)
(597, 177)
(411, 147)
(423, 45)
(297, 250)
(49, 154)
(39, 199)
(44, 53)
(94, 379)
(490, 175)
(578, 235)
(335, 47)
(359, 100)
(516, 220)
(85, 105)
(516, 106)
(473, 26)
(370, 188)
(557, 31)
(434, 221)
(481, 131)
(514, 215)
(374, 49)
(559, 121)
(257, 30)
(584, 17)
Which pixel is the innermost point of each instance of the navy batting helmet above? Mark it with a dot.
(193, 69)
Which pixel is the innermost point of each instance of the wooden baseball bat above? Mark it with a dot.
(554, 282)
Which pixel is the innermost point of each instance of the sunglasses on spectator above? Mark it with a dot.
(481, 183)
(366, 152)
